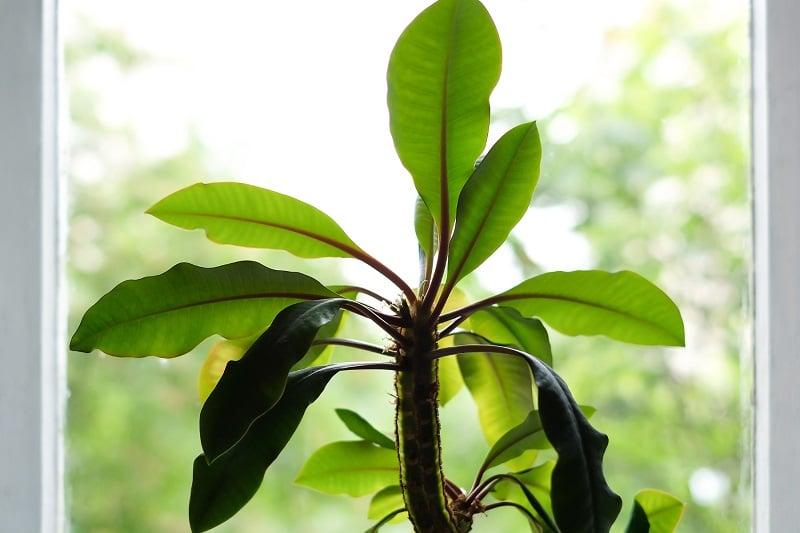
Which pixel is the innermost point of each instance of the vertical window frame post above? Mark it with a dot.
(32, 377)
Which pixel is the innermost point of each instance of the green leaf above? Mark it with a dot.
(621, 305)
(221, 488)
(441, 73)
(169, 314)
(245, 215)
(216, 361)
(494, 199)
(361, 428)
(655, 511)
(528, 435)
(504, 325)
(582, 500)
(350, 467)
(386, 501)
(450, 380)
(502, 389)
(252, 385)
(425, 228)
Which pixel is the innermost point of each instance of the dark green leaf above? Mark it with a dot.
(621, 305)
(655, 511)
(582, 500)
(504, 325)
(350, 467)
(169, 314)
(494, 199)
(245, 215)
(361, 428)
(441, 72)
(221, 488)
(250, 386)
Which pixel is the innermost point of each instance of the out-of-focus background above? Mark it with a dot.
(643, 108)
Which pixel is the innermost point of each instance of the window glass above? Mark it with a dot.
(644, 114)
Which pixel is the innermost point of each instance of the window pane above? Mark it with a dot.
(644, 113)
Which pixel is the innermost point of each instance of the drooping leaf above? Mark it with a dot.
(655, 511)
(441, 72)
(250, 386)
(361, 428)
(495, 197)
(504, 325)
(621, 305)
(503, 392)
(320, 354)
(390, 517)
(221, 488)
(582, 500)
(245, 215)
(386, 501)
(350, 467)
(169, 314)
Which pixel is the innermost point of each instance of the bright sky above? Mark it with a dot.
(291, 95)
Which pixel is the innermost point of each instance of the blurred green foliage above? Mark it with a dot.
(650, 160)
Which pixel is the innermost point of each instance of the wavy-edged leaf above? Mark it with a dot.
(350, 467)
(252, 385)
(503, 392)
(441, 72)
(386, 501)
(169, 314)
(361, 428)
(582, 500)
(494, 199)
(504, 325)
(621, 305)
(246, 215)
(655, 511)
(221, 488)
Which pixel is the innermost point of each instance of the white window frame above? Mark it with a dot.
(31, 326)
(31, 353)
(776, 196)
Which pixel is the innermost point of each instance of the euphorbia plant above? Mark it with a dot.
(277, 324)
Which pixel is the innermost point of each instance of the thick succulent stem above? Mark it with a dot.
(417, 435)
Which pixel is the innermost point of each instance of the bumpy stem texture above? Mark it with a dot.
(417, 434)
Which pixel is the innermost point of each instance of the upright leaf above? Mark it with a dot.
(502, 389)
(350, 467)
(441, 72)
(245, 215)
(621, 305)
(250, 386)
(494, 199)
(169, 314)
(222, 487)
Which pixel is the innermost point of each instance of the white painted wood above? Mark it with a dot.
(31, 377)
(776, 154)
